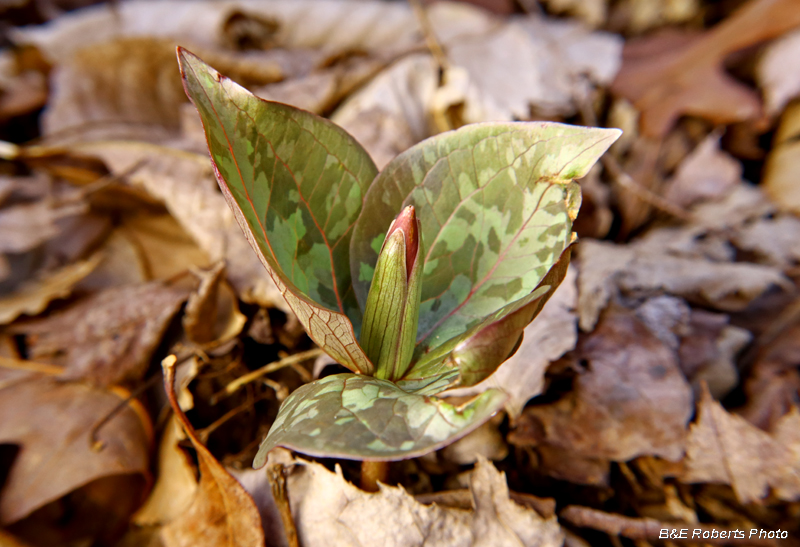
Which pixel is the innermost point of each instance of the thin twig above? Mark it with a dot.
(648, 196)
(430, 36)
(96, 443)
(31, 366)
(277, 480)
(272, 367)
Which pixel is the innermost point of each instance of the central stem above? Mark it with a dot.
(372, 473)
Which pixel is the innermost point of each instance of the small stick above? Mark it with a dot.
(430, 36)
(372, 473)
(272, 367)
(277, 480)
(31, 366)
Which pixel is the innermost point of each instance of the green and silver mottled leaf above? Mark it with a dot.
(496, 202)
(296, 184)
(358, 417)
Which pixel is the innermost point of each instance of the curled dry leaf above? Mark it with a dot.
(632, 400)
(212, 313)
(331, 512)
(32, 297)
(176, 484)
(548, 338)
(725, 448)
(107, 338)
(222, 514)
(666, 76)
(56, 455)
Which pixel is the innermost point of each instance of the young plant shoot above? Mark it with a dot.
(417, 279)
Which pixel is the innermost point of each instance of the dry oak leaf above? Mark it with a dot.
(222, 514)
(51, 421)
(331, 512)
(33, 296)
(632, 400)
(666, 76)
(109, 337)
(726, 448)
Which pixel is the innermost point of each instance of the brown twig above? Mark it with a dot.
(30, 366)
(430, 36)
(277, 480)
(272, 367)
(372, 473)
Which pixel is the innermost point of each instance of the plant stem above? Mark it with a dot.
(372, 473)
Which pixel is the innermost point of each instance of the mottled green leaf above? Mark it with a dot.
(359, 417)
(296, 184)
(478, 356)
(496, 202)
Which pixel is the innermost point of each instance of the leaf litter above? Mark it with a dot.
(658, 387)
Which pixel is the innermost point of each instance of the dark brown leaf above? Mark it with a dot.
(107, 338)
(52, 421)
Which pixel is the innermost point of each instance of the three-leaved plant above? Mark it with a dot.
(417, 279)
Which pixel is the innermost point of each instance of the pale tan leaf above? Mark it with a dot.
(176, 484)
(23, 227)
(331, 512)
(706, 173)
(778, 72)
(783, 162)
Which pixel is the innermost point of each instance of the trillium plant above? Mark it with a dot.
(417, 278)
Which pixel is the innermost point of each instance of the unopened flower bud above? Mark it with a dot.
(389, 331)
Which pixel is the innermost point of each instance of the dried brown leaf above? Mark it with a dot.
(212, 313)
(23, 227)
(176, 484)
(222, 514)
(725, 448)
(666, 76)
(783, 162)
(186, 184)
(632, 399)
(706, 173)
(107, 338)
(52, 422)
(647, 267)
(32, 297)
